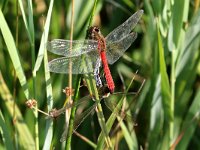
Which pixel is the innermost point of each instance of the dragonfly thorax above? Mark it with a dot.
(94, 33)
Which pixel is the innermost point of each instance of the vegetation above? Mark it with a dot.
(162, 67)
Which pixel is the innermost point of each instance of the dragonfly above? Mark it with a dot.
(86, 56)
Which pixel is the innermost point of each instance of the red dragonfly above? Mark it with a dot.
(86, 56)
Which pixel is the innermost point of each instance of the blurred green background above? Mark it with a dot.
(166, 55)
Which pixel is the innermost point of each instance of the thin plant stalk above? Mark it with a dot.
(92, 14)
(71, 38)
(36, 121)
(172, 94)
(73, 111)
(15, 76)
(102, 123)
(32, 35)
(93, 145)
(72, 116)
(92, 82)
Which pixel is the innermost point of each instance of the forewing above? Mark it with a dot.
(116, 49)
(62, 47)
(125, 28)
(80, 64)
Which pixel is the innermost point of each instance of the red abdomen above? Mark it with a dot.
(109, 79)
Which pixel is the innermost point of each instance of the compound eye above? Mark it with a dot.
(96, 29)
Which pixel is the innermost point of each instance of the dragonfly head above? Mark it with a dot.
(94, 33)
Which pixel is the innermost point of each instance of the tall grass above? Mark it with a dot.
(166, 53)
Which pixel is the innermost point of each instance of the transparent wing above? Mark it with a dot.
(84, 102)
(78, 120)
(80, 64)
(55, 113)
(125, 28)
(116, 49)
(62, 47)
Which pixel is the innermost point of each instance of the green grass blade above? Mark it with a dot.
(83, 9)
(72, 116)
(5, 133)
(10, 43)
(49, 95)
(131, 141)
(162, 105)
(44, 39)
(25, 138)
(165, 87)
(167, 101)
(110, 121)
(25, 21)
(30, 20)
(179, 15)
(93, 13)
(156, 117)
(192, 34)
(190, 123)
